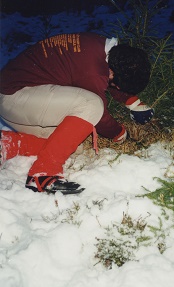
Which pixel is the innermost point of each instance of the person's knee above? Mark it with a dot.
(89, 106)
(96, 108)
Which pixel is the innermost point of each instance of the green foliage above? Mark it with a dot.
(114, 251)
(118, 247)
(71, 215)
(137, 30)
(122, 241)
(163, 196)
(160, 91)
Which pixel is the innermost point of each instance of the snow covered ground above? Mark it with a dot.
(51, 240)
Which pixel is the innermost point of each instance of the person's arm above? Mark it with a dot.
(139, 112)
(108, 127)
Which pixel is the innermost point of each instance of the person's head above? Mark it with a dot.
(131, 68)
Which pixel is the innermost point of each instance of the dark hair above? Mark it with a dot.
(131, 68)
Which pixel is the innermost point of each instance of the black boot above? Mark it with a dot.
(52, 184)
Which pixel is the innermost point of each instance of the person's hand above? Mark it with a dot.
(121, 137)
(139, 112)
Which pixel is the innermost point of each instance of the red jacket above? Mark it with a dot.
(77, 60)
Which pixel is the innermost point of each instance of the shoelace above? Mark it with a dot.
(95, 137)
(45, 182)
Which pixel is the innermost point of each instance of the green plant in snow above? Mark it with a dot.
(71, 215)
(114, 251)
(122, 241)
(110, 162)
(158, 233)
(164, 195)
(52, 218)
(99, 203)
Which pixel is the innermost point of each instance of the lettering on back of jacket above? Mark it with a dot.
(61, 41)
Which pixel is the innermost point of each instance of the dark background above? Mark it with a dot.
(35, 7)
(40, 7)
(29, 8)
(17, 30)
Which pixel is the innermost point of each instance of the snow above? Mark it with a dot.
(50, 240)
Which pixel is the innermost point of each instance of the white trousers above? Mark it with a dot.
(39, 110)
